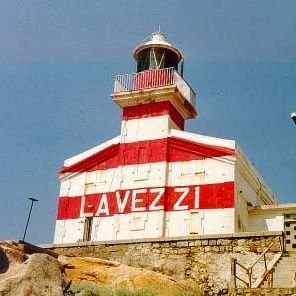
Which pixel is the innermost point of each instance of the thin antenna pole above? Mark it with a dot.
(32, 202)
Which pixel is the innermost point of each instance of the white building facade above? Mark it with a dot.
(155, 179)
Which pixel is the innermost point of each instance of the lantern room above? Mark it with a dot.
(157, 53)
(159, 78)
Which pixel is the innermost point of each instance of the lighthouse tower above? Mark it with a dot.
(155, 179)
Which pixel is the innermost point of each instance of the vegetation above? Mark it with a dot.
(91, 289)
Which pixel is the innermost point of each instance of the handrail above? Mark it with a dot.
(249, 269)
(144, 80)
(154, 78)
(264, 252)
(245, 268)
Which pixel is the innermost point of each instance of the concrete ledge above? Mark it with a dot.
(240, 235)
(287, 207)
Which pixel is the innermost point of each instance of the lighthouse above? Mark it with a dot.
(155, 180)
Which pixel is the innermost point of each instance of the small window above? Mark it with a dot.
(288, 241)
(288, 232)
(294, 246)
(287, 224)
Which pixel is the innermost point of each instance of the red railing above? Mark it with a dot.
(154, 78)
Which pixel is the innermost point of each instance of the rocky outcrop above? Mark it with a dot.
(28, 275)
(37, 274)
(115, 275)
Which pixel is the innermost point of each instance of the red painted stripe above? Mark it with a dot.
(168, 149)
(209, 196)
(153, 78)
(152, 110)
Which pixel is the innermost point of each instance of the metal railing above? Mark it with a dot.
(154, 78)
(249, 270)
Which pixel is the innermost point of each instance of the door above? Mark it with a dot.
(195, 223)
(87, 229)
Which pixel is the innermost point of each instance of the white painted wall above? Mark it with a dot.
(69, 231)
(202, 139)
(73, 185)
(241, 211)
(266, 221)
(250, 190)
(199, 222)
(246, 189)
(140, 129)
(125, 226)
(198, 172)
(218, 221)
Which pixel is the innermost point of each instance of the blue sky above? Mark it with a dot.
(58, 60)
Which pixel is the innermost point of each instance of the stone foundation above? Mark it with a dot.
(205, 259)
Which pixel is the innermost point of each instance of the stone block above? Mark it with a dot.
(197, 243)
(208, 249)
(205, 242)
(194, 250)
(238, 249)
(182, 244)
(212, 242)
(228, 248)
(215, 249)
(183, 251)
(241, 242)
(225, 242)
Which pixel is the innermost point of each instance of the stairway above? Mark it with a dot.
(285, 271)
(283, 280)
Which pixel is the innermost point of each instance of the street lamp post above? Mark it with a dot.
(32, 202)
(293, 116)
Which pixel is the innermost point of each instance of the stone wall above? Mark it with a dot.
(204, 259)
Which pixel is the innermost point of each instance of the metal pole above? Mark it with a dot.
(32, 202)
(233, 262)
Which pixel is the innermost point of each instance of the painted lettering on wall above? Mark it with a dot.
(147, 200)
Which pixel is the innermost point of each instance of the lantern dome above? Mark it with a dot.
(157, 53)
